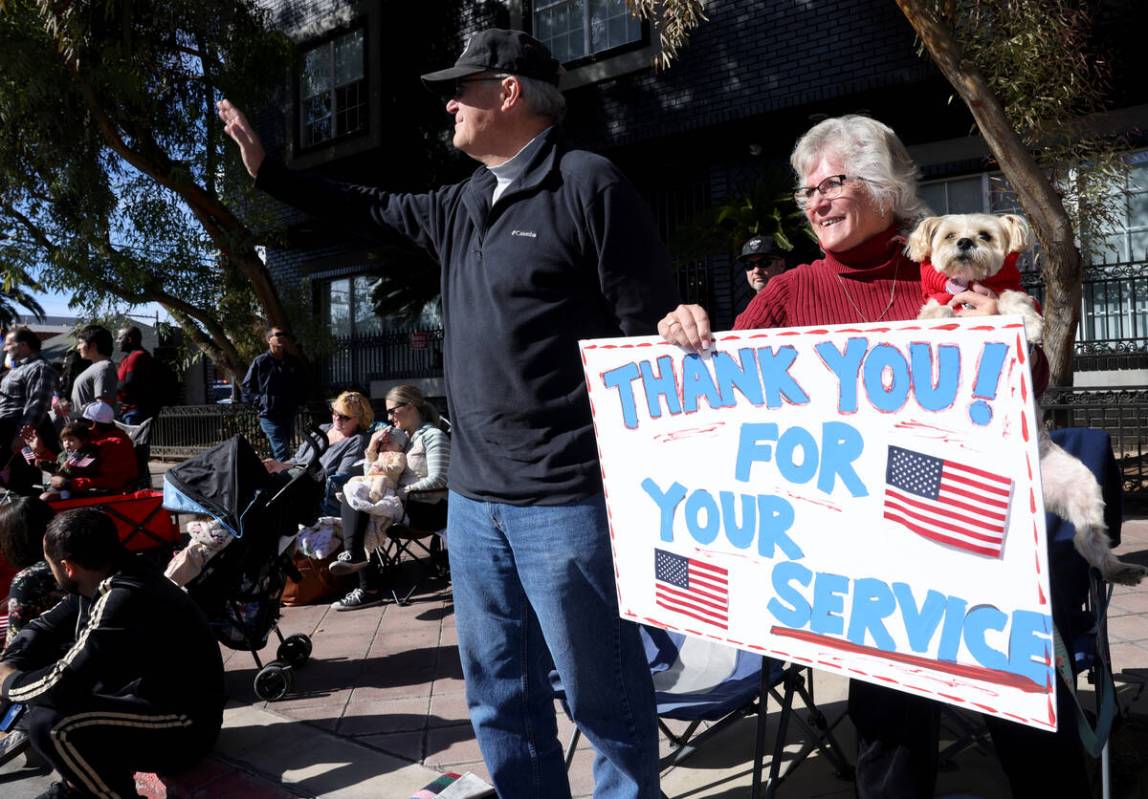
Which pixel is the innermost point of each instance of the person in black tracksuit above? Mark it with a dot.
(123, 675)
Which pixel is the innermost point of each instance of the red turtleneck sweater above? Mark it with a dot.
(820, 293)
(841, 288)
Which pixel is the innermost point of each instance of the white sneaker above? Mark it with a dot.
(344, 565)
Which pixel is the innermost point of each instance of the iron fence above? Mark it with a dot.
(185, 430)
(354, 361)
(1122, 412)
(1113, 328)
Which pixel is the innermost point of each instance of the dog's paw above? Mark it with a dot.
(934, 310)
(1019, 303)
(1115, 570)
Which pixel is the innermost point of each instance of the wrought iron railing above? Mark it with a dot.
(185, 430)
(1123, 412)
(354, 361)
(1113, 329)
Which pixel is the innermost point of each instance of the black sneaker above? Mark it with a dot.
(345, 565)
(358, 598)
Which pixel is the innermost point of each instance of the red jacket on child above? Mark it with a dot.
(116, 467)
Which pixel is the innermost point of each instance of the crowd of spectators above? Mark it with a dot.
(527, 527)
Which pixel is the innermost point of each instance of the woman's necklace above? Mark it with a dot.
(888, 305)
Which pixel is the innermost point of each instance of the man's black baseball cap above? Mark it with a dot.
(498, 50)
(759, 246)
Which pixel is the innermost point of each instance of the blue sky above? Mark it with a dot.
(56, 304)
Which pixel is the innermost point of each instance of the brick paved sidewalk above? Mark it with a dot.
(380, 710)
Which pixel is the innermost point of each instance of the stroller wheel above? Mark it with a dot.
(295, 650)
(273, 681)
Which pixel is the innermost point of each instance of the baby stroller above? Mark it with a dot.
(240, 587)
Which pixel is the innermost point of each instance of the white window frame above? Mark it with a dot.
(603, 66)
(332, 92)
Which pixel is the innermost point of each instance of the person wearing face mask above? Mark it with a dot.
(857, 186)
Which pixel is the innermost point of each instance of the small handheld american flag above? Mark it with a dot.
(948, 502)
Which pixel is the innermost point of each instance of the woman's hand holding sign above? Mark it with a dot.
(688, 326)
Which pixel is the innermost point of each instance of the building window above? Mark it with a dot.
(1114, 308)
(333, 90)
(955, 196)
(347, 307)
(578, 29)
(1116, 283)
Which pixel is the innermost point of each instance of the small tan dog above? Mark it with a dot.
(978, 252)
(974, 252)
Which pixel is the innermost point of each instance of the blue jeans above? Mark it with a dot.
(534, 585)
(279, 435)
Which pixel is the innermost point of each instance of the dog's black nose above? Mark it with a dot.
(965, 244)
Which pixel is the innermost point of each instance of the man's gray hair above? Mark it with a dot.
(869, 150)
(542, 99)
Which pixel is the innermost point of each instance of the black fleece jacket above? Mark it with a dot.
(569, 252)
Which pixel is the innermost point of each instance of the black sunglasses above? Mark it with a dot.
(456, 90)
(391, 411)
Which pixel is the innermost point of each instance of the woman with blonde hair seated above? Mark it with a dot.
(422, 489)
(351, 418)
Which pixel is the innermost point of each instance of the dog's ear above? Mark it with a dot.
(1018, 230)
(920, 243)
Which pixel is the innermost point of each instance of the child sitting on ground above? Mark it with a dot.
(375, 493)
(78, 459)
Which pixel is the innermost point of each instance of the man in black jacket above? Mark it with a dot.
(542, 246)
(276, 384)
(139, 683)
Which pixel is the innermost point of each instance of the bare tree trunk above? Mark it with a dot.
(1061, 265)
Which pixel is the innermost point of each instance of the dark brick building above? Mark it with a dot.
(752, 79)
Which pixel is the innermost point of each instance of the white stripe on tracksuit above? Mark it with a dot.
(75, 760)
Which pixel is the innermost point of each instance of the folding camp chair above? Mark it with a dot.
(404, 542)
(699, 681)
(1079, 605)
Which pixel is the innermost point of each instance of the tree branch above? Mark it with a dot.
(1061, 264)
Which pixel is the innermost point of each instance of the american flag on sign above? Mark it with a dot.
(947, 502)
(697, 589)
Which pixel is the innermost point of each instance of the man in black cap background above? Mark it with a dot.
(542, 246)
(761, 260)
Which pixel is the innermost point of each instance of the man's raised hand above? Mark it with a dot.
(236, 126)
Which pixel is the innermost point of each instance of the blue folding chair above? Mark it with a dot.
(698, 681)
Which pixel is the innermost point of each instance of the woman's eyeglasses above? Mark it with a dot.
(342, 417)
(392, 411)
(828, 188)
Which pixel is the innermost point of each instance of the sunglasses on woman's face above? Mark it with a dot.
(341, 417)
(394, 410)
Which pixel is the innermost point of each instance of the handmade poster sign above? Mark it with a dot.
(862, 499)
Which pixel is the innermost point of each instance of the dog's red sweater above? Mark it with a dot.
(936, 286)
(872, 281)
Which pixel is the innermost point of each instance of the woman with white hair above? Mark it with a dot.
(858, 185)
